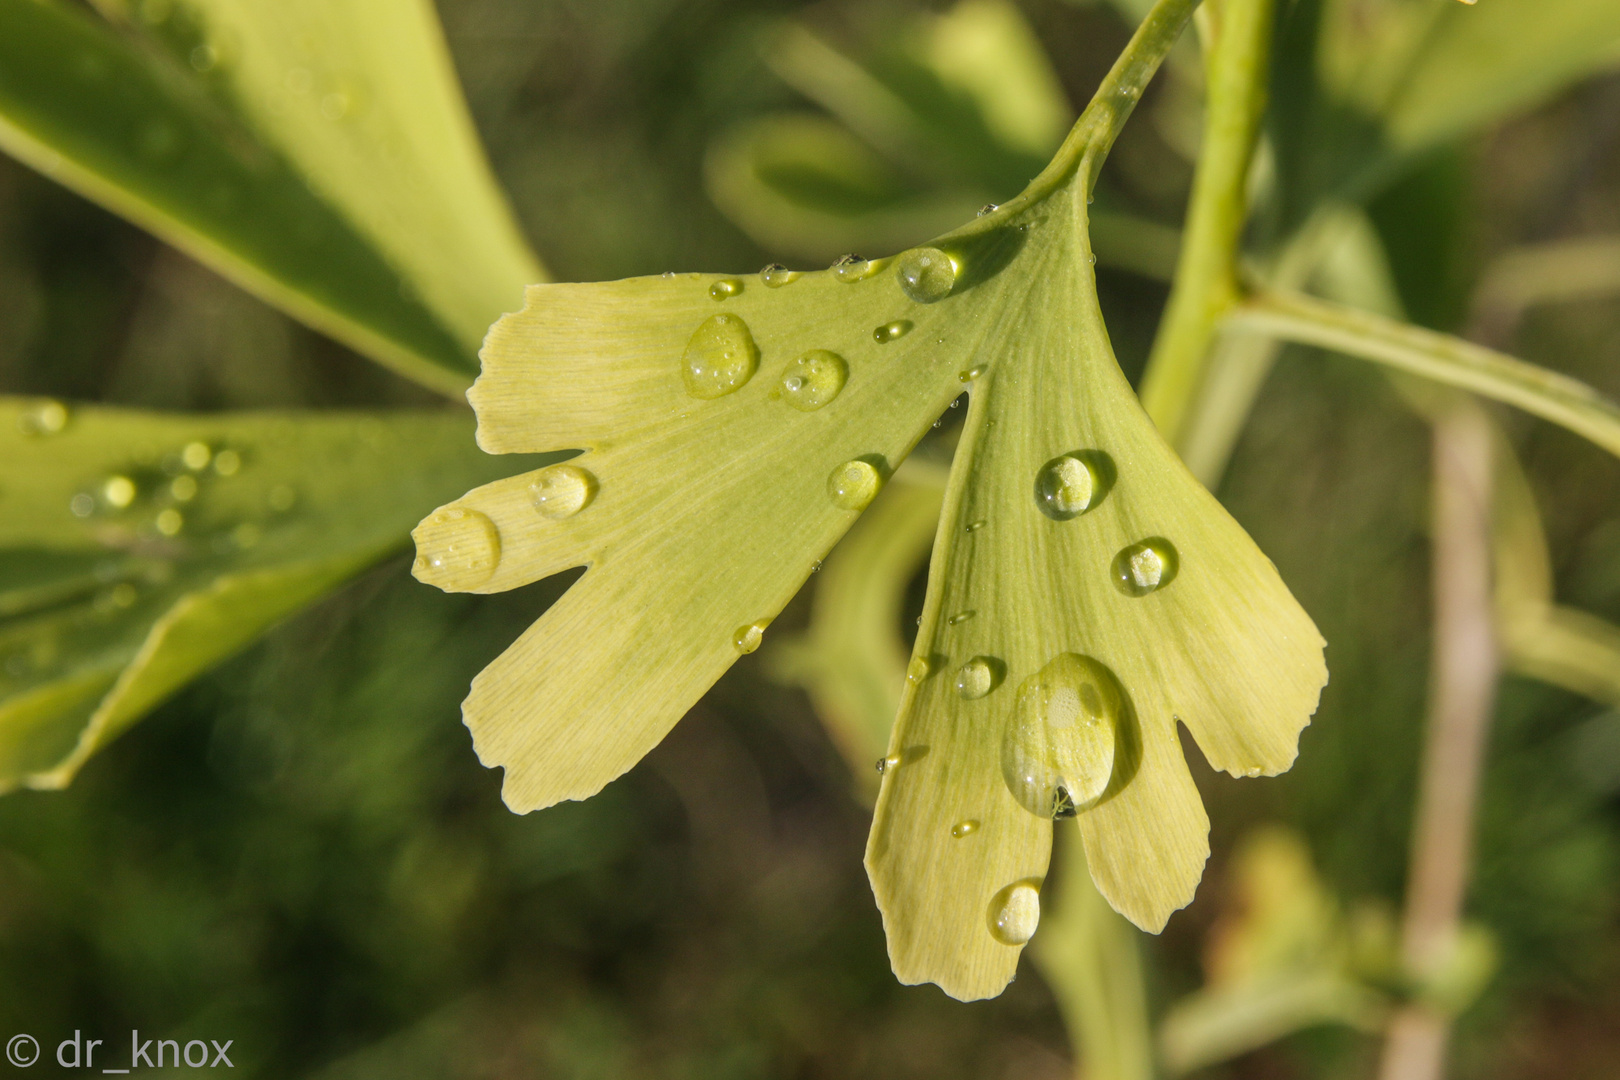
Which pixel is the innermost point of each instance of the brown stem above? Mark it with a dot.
(1462, 695)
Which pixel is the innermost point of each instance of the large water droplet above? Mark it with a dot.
(776, 275)
(1146, 566)
(561, 491)
(747, 638)
(1015, 912)
(1066, 487)
(720, 358)
(965, 827)
(456, 549)
(926, 274)
(890, 331)
(814, 379)
(854, 484)
(1059, 742)
(725, 288)
(977, 677)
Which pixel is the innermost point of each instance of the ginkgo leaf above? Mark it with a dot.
(733, 429)
(338, 123)
(137, 550)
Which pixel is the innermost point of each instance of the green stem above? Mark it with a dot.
(1438, 357)
(1206, 283)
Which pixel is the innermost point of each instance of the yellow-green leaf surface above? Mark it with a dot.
(317, 152)
(707, 492)
(137, 549)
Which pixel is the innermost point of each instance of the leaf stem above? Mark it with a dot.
(1439, 357)
(1206, 282)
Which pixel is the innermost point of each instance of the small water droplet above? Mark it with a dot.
(47, 417)
(884, 764)
(82, 505)
(725, 288)
(169, 522)
(814, 379)
(853, 268)
(926, 275)
(987, 209)
(919, 668)
(196, 456)
(561, 491)
(227, 462)
(457, 549)
(1146, 566)
(960, 617)
(776, 275)
(747, 638)
(815, 567)
(1065, 487)
(668, 275)
(1057, 753)
(720, 357)
(889, 331)
(972, 373)
(965, 827)
(183, 488)
(854, 484)
(118, 492)
(1015, 912)
(976, 678)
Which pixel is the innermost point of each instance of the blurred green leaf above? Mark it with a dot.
(137, 550)
(318, 154)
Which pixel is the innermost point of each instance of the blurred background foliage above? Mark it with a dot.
(300, 853)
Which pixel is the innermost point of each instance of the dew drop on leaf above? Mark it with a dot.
(917, 670)
(854, 484)
(814, 379)
(747, 638)
(561, 491)
(884, 764)
(725, 288)
(966, 827)
(1146, 566)
(720, 357)
(960, 617)
(1014, 913)
(852, 268)
(1065, 487)
(975, 526)
(926, 274)
(776, 275)
(890, 331)
(457, 549)
(976, 678)
(1058, 746)
(987, 209)
(971, 373)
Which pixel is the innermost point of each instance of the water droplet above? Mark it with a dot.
(227, 462)
(965, 827)
(720, 358)
(854, 484)
(169, 522)
(457, 549)
(987, 209)
(926, 275)
(82, 505)
(815, 567)
(47, 417)
(977, 677)
(884, 764)
(183, 488)
(1015, 912)
(725, 288)
(814, 379)
(1066, 487)
(747, 638)
(975, 526)
(960, 617)
(196, 456)
(853, 268)
(919, 668)
(972, 373)
(561, 491)
(1146, 566)
(668, 275)
(889, 331)
(118, 491)
(1057, 752)
(1092, 259)
(776, 275)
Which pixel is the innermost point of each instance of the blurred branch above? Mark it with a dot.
(1578, 269)
(1462, 696)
